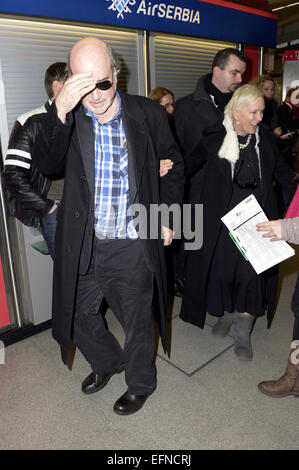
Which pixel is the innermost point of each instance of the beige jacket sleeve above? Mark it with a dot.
(290, 230)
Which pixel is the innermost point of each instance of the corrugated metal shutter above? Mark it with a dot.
(177, 62)
(28, 47)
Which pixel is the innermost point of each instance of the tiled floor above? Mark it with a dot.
(206, 398)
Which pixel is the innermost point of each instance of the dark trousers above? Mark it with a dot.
(118, 272)
(295, 309)
(48, 229)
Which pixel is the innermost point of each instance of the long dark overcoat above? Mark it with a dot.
(215, 195)
(71, 146)
(192, 115)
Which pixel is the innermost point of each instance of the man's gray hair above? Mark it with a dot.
(113, 59)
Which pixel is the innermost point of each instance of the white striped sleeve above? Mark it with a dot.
(11, 158)
(17, 163)
(20, 153)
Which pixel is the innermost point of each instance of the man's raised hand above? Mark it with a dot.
(72, 91)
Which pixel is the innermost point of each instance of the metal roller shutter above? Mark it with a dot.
(28, 47)
(177, 62)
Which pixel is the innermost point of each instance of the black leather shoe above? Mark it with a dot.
(93, 383)
(128, 403)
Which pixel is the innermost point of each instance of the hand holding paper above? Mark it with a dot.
(242, 223)
(272, 229)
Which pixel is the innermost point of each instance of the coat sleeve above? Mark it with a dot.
(191, 124)
(290, 230)
(50, 147)
(179, 124)
(172, 184)
(18, 171)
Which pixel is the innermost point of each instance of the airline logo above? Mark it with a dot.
(121, 7)
(161, 10)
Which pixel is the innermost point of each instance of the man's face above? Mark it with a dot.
(103, 103)
(228, 79)
(248, 117)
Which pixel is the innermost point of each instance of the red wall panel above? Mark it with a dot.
(4, 314)
(252, 54)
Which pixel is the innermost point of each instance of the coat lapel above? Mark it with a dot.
(213, 144)
(137, 134)
(85, 134)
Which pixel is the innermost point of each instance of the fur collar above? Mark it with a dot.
(230, 145)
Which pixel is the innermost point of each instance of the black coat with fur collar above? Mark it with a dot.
(215, 195)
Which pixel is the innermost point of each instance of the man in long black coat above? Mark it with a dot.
(205, 107)
(110, 144)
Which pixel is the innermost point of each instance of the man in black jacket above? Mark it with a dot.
(204, 107)
(33, 197)
(195, 113)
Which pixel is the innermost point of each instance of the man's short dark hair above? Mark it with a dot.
(222, 57)
(56, 71)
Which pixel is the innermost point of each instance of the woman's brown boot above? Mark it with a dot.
(288, 384)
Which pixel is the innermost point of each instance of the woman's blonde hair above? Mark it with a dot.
(261, 79)
(242, 96)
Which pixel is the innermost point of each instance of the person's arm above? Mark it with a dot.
(274, 125)
(51, 145)
(20, 176)
(272, 229)
(282, 229)
(188, 138)
(283, 173)
(172, 184)
(290, 230)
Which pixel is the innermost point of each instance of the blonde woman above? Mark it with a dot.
(240, 158)
(267, 86)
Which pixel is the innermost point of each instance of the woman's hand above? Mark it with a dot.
(272, 229)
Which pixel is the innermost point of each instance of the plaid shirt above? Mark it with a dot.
(111, 179)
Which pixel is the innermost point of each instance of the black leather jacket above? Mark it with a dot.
(27, 187)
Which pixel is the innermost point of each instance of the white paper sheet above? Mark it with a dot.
(261, 252)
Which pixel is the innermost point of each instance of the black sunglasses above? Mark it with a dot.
(104, 85)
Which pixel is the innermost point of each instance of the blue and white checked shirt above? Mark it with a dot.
(111, 179)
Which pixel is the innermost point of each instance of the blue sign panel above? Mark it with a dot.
(215, 19)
